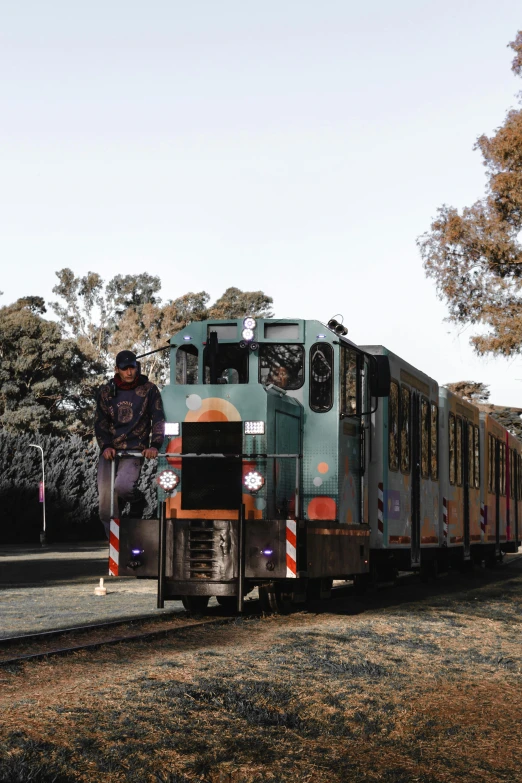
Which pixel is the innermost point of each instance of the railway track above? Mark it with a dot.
(47, 644)
(64, 641)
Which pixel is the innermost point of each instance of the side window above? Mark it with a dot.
(451, 427)
(405, 408)
(476, 451)
(425, 438)
(321, 377)
(491, 464)
(187, 364)
(502, 468)
(471, 457)
(459, 451)
(393, 426)
(282, 365)
(434, 442)
(349, 382)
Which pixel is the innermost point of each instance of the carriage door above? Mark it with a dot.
(415, 478)
(466, 472)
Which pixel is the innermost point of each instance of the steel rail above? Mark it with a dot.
(154, 634)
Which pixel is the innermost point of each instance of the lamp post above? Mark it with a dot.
(42, 494)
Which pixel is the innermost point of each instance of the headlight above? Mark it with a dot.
(172, 428)
(253, 481)
(249, 323)
(254, 427)
(247, 334)
(168, 480)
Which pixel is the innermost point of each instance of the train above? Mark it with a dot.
(294, 457)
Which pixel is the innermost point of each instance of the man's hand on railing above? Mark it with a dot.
(109, 453)
(150, 453)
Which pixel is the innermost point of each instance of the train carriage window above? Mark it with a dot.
(458, 451)
(476, 451)
(350, 391)
(471, 457)
(321, 377)
(393, 426)
(519, 477)
(511, 472)
(187, 365)
(491, 463)
(434, 442)
(405, 408)
(282, 365)
(451, 427)
(425, 438)
(502, 452)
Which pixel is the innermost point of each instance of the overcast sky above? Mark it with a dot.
(296, 147)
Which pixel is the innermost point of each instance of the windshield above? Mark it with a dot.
(225, 363)
(282, 365)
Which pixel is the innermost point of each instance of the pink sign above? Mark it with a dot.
(41, 492)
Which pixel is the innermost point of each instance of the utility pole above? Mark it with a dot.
(42, 492)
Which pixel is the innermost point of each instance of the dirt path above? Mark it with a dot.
(411, 684)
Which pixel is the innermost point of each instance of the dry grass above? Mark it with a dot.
(417, 684)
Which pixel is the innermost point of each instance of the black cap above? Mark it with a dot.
(126, 359)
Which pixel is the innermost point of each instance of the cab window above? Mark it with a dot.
(350, 391)
(227, 363)
(187, 365)
(321, 377)
(282, 365)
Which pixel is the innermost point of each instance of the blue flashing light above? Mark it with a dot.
(187, 337)
(137, 552)
(267, 552)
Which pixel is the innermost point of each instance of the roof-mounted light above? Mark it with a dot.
(247, 334)
(249, 322)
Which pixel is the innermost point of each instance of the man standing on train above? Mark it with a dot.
(129, 417)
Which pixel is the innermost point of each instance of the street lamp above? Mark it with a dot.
(42, 494)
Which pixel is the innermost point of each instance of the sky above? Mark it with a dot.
(295, 147)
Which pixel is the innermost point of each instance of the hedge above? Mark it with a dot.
(71, 490)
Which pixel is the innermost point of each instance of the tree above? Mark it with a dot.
(475, 257)
(235, 303)
(128, 313)
(472, 391)
(47, 382)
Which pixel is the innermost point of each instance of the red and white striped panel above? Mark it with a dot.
(380, 508)
(291, 543)
(482, 518)
(114, 547)
(444, 522)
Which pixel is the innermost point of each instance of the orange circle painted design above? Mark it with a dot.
(322, 507)
(323, 467)
(174, 446)
(214, 409)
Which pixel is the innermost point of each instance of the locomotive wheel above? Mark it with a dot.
(228, 602)
(195, 604)
(274, 601)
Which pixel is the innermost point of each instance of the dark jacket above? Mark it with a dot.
(125, 421)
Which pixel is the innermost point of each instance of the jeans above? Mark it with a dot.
(128, 471)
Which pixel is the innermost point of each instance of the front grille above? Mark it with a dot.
(213, 483)
(201, 554)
